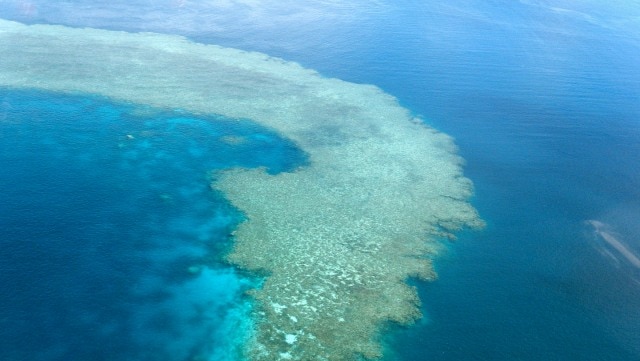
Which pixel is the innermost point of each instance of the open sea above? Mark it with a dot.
(112, 240)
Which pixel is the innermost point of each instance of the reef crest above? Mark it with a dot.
(336, 239)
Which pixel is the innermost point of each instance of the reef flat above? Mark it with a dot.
(337, 239)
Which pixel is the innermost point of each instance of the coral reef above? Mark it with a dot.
(336, 239)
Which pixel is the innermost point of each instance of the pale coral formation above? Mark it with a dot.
(336, 239)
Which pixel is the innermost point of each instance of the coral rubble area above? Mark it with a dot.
(336, 239)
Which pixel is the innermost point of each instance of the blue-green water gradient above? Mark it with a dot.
(112, 240)
(543, 99)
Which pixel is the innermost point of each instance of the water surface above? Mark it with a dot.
(543, 100)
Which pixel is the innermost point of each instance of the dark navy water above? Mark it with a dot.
(111, 235)
(543, 99)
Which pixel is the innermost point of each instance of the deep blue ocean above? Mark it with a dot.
(111, 238)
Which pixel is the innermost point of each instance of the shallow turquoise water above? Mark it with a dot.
(543, 100)
(111, 235)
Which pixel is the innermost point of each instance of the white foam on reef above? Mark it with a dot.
(336, 239)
